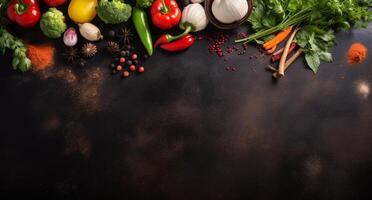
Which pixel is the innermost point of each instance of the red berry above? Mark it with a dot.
(119, 68)
(132, 68)
(122, 60)
(141, 69)
(134, 56)
(125, 74)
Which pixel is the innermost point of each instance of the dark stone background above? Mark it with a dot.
(187, 129)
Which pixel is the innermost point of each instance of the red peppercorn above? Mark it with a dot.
(141, 69)
(122, 60)
(125, 74)
(134, 56)
(119, 68)
(132, 68)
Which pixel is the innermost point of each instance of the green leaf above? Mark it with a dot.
(325, 56)
(313, 61)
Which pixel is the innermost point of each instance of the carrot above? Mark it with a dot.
(278, 38)
(272, 50)
(285, 53)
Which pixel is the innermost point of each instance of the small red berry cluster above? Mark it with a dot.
(127, 62)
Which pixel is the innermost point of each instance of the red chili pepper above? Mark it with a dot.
(179, 45)
(25, 13)
(165, 14)
(167, 38)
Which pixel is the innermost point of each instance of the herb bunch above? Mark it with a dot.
(318, 20)
(8, 41)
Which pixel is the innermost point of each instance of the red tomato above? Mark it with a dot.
(54, 3)
(25, 13)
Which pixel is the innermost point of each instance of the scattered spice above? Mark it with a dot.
(357, 53)
(89, 50)
(112, 47)
(41, 56)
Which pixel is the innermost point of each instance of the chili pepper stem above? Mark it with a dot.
(187, 31)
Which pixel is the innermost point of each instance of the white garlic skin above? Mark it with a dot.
(229, 11)
(90, 32)
(194, 14)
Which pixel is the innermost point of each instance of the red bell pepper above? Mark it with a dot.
(179, 45)
(25, 13)
(165, 14)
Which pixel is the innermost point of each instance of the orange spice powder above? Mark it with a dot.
(357, 53)
(41, 56)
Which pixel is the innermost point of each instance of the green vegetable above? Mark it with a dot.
(144, 3)
(142, 27)
(8, 41)
(318, 20)
(52, 23)
(114, 12)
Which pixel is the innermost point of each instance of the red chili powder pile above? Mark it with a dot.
(357, 53)
(41, 56)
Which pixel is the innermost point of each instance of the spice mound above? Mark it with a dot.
(41, 56)
(357, 53)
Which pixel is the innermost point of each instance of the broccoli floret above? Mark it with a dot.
(52, 23)
(144, 3)
(114, 12)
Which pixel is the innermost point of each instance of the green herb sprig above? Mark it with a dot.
(8, 41)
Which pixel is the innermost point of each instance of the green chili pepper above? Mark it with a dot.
(141, 24)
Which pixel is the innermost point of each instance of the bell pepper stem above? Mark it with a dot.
(20, 7)
(164, 8)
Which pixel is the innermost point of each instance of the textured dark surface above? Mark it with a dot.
(187, 129)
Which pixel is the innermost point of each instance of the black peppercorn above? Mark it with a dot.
(127, 52)
(135, 62)
(129, 62)
(112, 66)
(116, 59)
(129, 47)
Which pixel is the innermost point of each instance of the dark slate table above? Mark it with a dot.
(187, 128)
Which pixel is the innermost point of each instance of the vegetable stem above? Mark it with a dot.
(285, 53)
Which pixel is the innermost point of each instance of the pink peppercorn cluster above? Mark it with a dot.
(127, 62)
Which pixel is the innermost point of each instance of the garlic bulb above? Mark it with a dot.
(194, 15)
(229, 11)
(197, 1)
(70, 37)
(90, 32)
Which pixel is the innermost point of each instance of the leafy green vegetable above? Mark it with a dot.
(114, 11)
(8, 41)
(52, 23)
(318, 20)
(144, 3)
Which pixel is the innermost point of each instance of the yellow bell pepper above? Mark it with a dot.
(82, 11)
